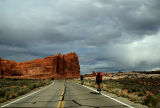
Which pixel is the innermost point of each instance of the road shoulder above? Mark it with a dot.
(119, 98)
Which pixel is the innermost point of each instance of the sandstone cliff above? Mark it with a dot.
(58, 66)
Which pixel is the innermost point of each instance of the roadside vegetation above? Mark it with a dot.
(141, 90)
(12, 88)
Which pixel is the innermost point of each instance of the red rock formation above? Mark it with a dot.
(58, 66)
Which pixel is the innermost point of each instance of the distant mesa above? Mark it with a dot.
(93, 74)
(58, 67)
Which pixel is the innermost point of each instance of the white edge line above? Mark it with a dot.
(108, 96)
(27, 96)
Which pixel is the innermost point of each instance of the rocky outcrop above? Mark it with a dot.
(58, 66)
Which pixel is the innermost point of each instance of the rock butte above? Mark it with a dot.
(58, 67)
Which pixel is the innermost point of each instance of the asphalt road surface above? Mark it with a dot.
(65, 94)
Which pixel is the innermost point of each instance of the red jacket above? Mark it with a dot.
(99, 76)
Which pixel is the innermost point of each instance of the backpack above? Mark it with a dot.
(99, 76)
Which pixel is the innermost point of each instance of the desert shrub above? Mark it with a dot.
(10, 95)
(2, 92)
(141, 94)
(23, 91)
(2, 100)
(151, 101)
(31, 86)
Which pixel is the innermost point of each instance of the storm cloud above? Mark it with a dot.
(107, 35)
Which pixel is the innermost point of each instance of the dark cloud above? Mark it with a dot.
(107, 35)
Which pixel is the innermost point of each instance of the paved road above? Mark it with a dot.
(68, 95)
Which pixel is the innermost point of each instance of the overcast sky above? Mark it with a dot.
(107, 35)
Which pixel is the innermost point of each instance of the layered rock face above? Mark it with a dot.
(58, 66)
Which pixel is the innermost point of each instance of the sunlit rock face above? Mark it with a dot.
(58, 66)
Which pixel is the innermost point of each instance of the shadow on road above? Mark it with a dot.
(95, 93)
(109, 106)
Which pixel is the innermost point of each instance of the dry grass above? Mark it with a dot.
(12, 88)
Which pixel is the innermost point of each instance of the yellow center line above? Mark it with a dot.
(62, 106)
(58, 104)
(62, 92)
(60, 100)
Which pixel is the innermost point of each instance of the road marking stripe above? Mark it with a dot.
(62, 92)
(60, 100)
(26, 96)
(108, 96)
(59, 103)
(62, 106)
